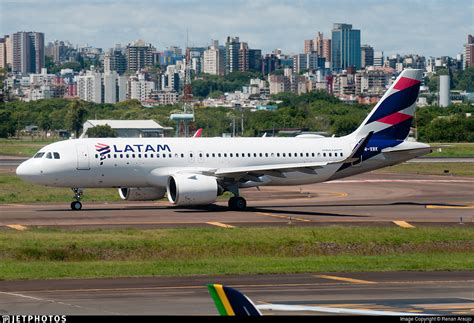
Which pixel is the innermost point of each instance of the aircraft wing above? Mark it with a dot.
(273, 170)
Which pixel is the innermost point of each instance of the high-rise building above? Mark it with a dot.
(469, 52)
(366, 56)
(214, 60)
(308, 46)
(89, 87)
(244, 57)
(327, 51)
(139, 55)
(270, 63)
(232, 47)
(140, 88)
(378, 59)
(28, 52)
(115, 60)
(345, 47)
(115, 87)
(3, 53)
(255, 60)
(307, 62)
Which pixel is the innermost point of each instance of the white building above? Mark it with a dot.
(128, 128)
(214, 61)
(115, 87)
(42, 78)
(89, 87)
(140, 89)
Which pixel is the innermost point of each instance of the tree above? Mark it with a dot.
(104, 131)
(7, 127)
(75, 117)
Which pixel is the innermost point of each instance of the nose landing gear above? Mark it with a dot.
(77, 205)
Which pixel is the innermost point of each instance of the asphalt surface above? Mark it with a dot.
(412, 292)
(367, 199)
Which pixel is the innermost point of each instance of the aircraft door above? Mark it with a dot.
(82, 157)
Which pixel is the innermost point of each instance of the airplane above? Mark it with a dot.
(231, 302)
(195, 172)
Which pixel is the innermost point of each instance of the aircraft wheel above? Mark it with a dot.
(76, 206)
(237, 203)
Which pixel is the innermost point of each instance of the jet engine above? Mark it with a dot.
(141, 193)
(192, 189)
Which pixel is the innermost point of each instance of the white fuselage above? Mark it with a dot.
(148, 162)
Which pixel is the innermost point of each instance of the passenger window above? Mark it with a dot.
(254, 154)
(330, 154)
(307, 154)
(278, 154)
(115, 155)
(248, 154)
(157, 155)
(182, 155)
(324, 154)
(219, 155)
(341, 155)
(96, 156)
(230, 155)
(284, 155)
(139, 155)
(225, 154)
(266, 154)
(127, 155)
(49, 156)
(200, 154)
(133, 155)
(145, 155)
(289, 154)
(121, 155)
(213, 155)
(236, 154)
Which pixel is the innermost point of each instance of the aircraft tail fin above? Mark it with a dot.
(231, 302)
(392, 117)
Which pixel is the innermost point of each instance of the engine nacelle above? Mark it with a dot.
(192, 189)
(141, 193)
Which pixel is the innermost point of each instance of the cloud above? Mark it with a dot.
(428, 27)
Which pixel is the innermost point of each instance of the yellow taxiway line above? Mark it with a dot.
(222, 225)
(345, 279)
(403, 224)
(17, 227)
(465, 207)
(283, 217)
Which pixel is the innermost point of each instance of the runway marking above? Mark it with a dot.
(18, 227)
(404, 224)
(350, 280)
(57, 302)
(236, 286)
(449, 207)
(222, 225)
(290, 218)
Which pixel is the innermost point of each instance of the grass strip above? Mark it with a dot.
(45, 253)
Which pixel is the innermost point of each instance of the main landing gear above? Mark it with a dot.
(77, 205)
(237, 203)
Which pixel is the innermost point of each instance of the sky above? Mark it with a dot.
(428, 27)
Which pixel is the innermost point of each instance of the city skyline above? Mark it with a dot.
(429, 28)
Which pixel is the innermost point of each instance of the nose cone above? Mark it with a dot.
(27, 171)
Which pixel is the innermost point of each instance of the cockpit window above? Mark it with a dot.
(38, 155)
(56, 155)
(49, 156)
